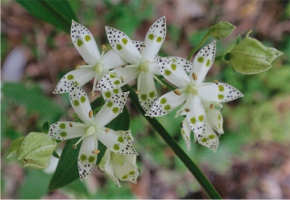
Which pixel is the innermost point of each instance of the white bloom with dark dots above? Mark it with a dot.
(93, 129)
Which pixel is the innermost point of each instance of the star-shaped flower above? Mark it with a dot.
(191, 91)
(93, 129)
(97, 64)
(119, 167)
(143, 64)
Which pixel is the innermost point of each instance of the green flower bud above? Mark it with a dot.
(221, 30)
(35, 150)
(250, 56)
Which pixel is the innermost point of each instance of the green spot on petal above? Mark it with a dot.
(76, 83)
(83, 157)
(115, 109)
(173, 67)
(63, 134)
(116, 147)
(112, 75)
(167, 72)
(76, 103)
(120, 139)
(109, 104)
(152, 94)
(108, 94)
(62, 126)
(211, 136)
(92, 159)
(132, 173)
(151, 36)
(83, 99)
(125, 177)
(70, 77)
(207, 62)
(159, 39)
(116, 91)
(193, 120)
(79, 43)
(125, 41)
(219, 117)
(143, 97)
(204, 139)
(116, 82)
(221, 88)
(200, 59)
(87, 38)
(220, 96)
(119, 47)
(163, 100)
(200, 118)
(183, 132)
(167, 107)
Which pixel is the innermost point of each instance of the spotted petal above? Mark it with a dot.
(111, 109)
(154, 39)
(220, 92)
(81, 76)
(123, 45)
(214, 116)
(84, 43)
(146, 90)
(117, 141)
(67, 130)
(203, 61)
(81, 104)
(196, 116)
(107, 95)
(210, 139)
(185, 132)
(183, 63)
(87, 158)
(112, 60)
(138, 44)
(166, 103)
(172, 72)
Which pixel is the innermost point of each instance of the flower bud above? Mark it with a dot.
(119, 167)
(250, 56)
(221, 30)
(35, 150)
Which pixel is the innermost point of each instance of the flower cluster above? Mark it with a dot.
(131, 60)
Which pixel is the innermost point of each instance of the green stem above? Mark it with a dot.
(199, 176)
(199, 45)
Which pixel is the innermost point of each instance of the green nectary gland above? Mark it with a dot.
(144, 67)
(90, 130)
(98, 68)
(191, 89)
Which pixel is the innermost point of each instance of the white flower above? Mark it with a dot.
(119, 167)
(93, 129)
(192, 90)
(143, 64)
(97, 64)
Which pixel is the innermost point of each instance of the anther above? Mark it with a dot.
(104, 48)
(122, 79)
(194, 76)
(107, 130)
(216, 82)
(70, 124)
(92, 94)
(74, 146)
(90, 113)
(137, 91)
(164, 86)
(142, 45)
(77, 66)
(177, 92)
(96, 151)
(187, 110)
(211, 106)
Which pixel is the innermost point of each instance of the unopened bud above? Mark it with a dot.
(221, 30)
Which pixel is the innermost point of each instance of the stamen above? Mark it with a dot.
(77, 66)
(137, 91)
(90, 113)
(92, 94)
(187, 110)
(177, 92)
(95, 82)
(122, 79)
(159, 81)
(216, 82)
(70, 124)
(194, 76)
(74, 146)
(211, 106)
(104, 48)
(96, 151)
(107, 130)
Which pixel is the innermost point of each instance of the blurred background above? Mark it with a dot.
(253, 159)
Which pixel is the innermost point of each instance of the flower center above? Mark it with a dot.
(144, 67)
(98, 68)
(191, 89)
(90, 131)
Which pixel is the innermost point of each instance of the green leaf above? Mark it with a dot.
(45, 127)
(57, 13)
(67, 171)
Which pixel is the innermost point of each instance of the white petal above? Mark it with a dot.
(220, 92)
(81, 76)
(111, 109)
(147, 93)
(81, 104)
(117, 141)
(112, 60)
(127, 73)
(172, 72)
(123, 45)
(196, 116)
(203, 61)
(185, 132)
(210, 139)
(153, 66)
(64, 130)
(154, 39)
(84, 43)
(214, 116)
(87, 158)
(166, 103)
(183, 63)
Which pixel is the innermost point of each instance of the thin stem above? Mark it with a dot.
(203, 181)
(199, 45)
